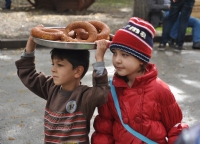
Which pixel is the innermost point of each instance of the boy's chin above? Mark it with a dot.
(56, 83)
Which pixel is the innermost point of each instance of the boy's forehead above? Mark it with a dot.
(56, 58)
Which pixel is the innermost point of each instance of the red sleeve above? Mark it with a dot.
(171, 117)
(103, 124)
(175, 131)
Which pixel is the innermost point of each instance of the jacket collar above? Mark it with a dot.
(151, 73)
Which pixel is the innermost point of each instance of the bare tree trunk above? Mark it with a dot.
(141, 9)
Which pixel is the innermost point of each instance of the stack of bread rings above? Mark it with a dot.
(78, 31)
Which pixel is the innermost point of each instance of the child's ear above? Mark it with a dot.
(79, 71)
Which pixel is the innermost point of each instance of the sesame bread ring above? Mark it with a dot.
(71, 33)
(46, 33)
(92, 32)
(81, 34)
(61, 29)
(103, 31)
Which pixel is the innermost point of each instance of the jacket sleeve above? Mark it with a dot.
(171, 116)
(36, 82)
(100, 83)
(103, 125)
(97, 95)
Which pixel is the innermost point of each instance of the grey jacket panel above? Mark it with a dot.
(155, 11)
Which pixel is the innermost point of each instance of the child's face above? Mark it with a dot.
(125, 64)
(63, 73)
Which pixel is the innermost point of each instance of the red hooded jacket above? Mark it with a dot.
(149, 107)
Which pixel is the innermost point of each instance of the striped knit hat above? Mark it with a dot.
(136, 38)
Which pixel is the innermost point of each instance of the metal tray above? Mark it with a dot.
(65, 45)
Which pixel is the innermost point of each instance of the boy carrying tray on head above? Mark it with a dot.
(70, 105)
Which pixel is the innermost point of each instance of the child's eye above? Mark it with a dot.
(125, 55)
(114, 53)
(52, 64)
(60, 65)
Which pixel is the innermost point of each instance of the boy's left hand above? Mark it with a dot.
(102, 46)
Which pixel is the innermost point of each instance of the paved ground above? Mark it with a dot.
(21, 112)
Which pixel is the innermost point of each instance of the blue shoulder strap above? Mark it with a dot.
(133, 132)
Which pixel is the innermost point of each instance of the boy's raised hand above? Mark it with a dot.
(102, 46)
(31, 45)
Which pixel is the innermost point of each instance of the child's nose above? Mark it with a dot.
(53, 68)
(118, 59)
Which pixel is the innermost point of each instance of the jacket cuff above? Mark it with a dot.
(99, 67)
(25, 54)
(99, 80)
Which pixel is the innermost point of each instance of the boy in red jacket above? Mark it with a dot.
(146, 103)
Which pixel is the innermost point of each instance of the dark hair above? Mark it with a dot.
(143, 67)
(75, 57)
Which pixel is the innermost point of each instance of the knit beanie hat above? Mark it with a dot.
(136, 38)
